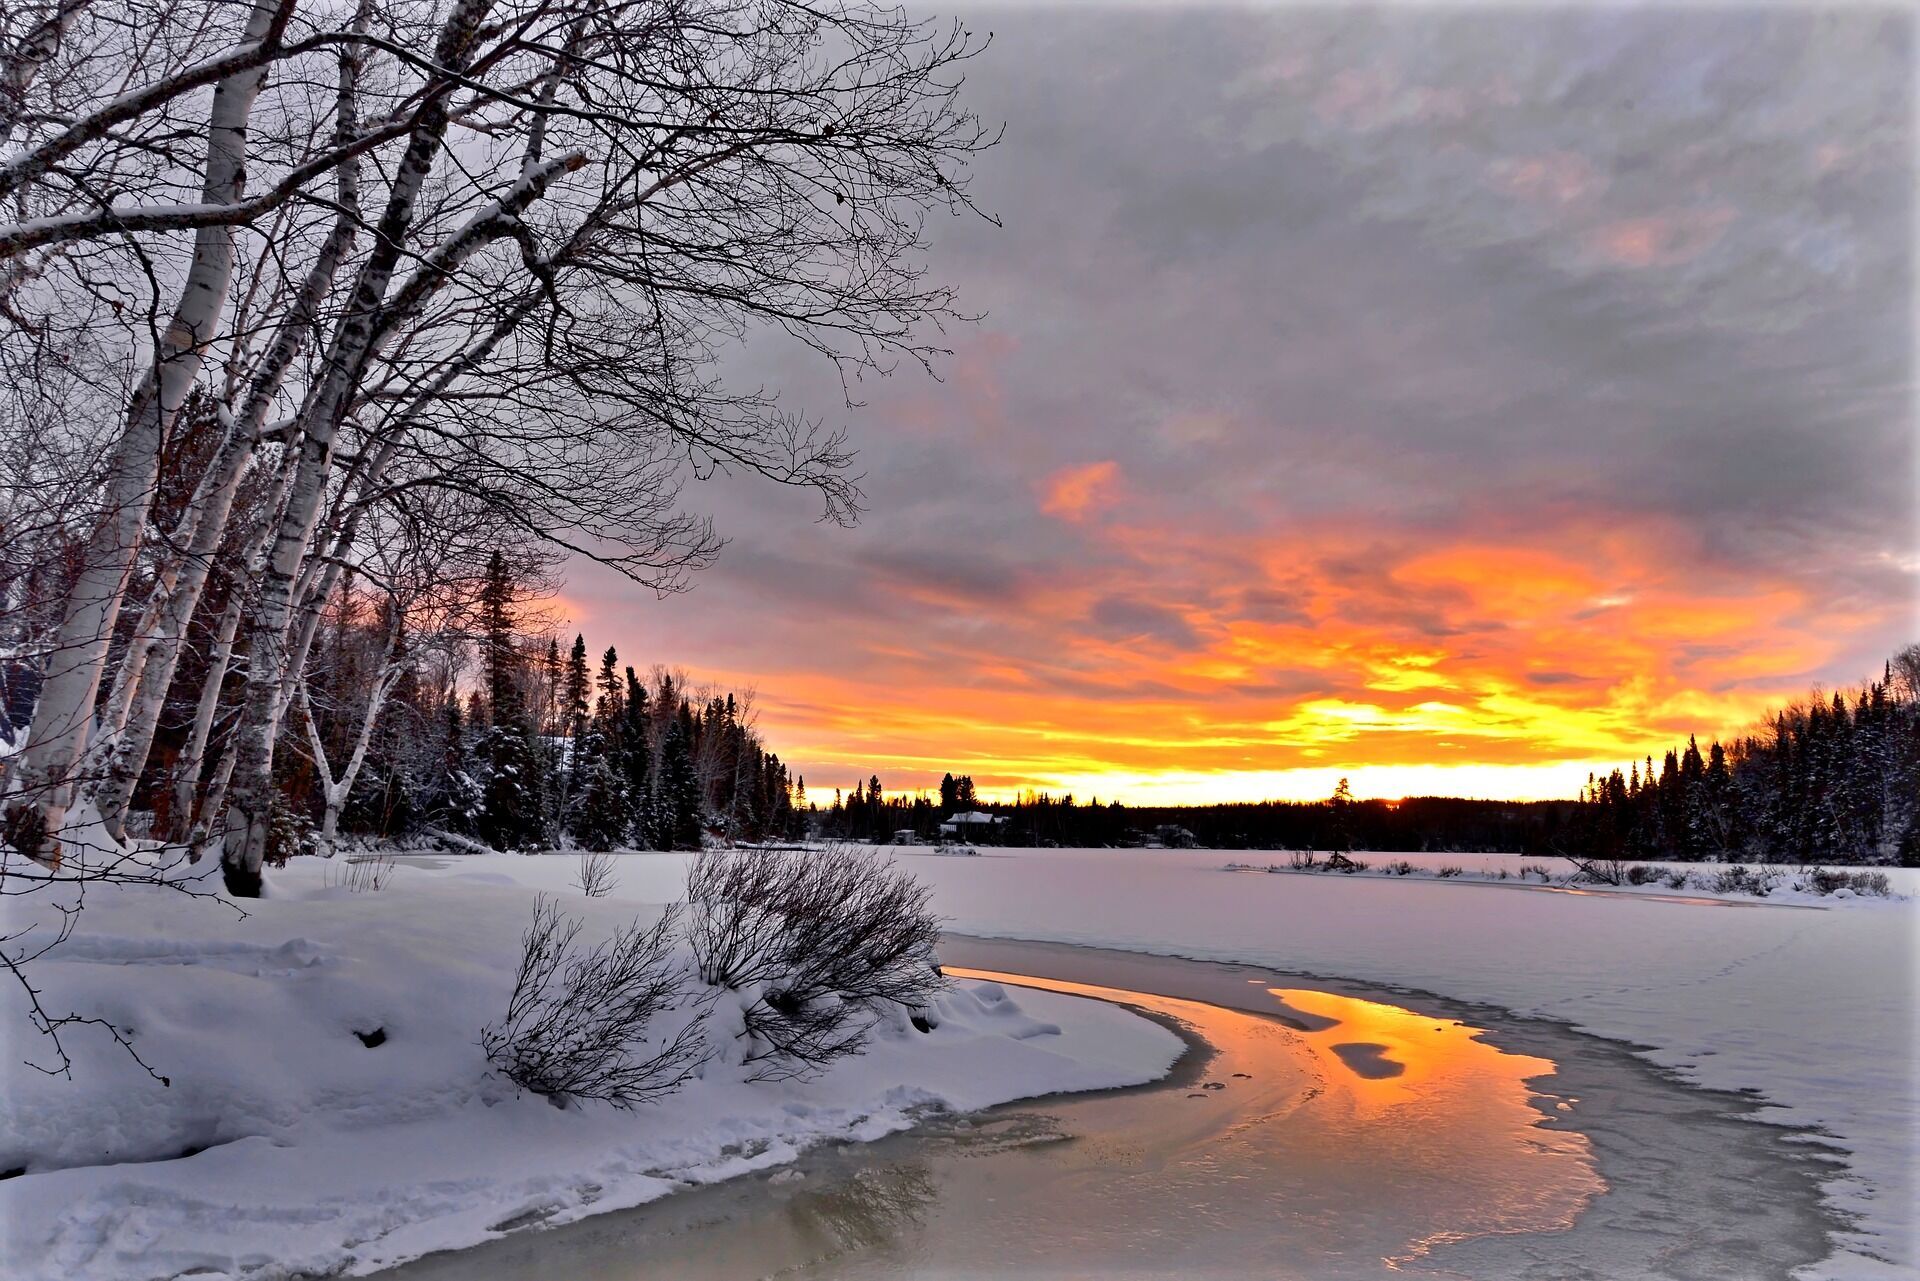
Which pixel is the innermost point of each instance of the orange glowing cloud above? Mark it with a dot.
(1662, 240)
(1075, 493)
(1182, 666)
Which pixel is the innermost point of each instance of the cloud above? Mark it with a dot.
(1383, 389)
(1662, 240)
(1137, 620)
(1075, 493)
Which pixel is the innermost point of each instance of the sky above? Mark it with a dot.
(1457, 401)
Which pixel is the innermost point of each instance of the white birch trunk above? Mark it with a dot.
(186, 780)
(335, 791)
(154, 655)
(62, 720)
(245, 845)
(274, 662)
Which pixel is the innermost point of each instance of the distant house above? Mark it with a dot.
(906, 836)
(971, 825)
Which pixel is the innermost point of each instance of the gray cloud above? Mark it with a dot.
(1436, 273)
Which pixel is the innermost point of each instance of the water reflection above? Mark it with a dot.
(869, 1209)
(1326, 1138)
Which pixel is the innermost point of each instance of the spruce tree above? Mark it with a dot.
(679, 787)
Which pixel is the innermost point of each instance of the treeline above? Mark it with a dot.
(1440, 824)
(547, 747)
(478, 728)
(868, 813)
(1833, 779)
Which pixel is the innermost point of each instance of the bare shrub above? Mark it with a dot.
(1400, 867)
(1449, 870)
(1731, 879)
(576, 1025)
(595, 877)
(1535, 869)
(1877, 884)
(1737, 878)
(1678, 878)
(1641, 874)
(1341, 863)
(1303, 861)
(361, 874)
(1598, 871)
(1822, 880)
(827, 940)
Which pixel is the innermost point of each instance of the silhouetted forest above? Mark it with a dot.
(1834, 778)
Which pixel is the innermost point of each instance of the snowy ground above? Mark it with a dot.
(1808, 1002)
(340, 1156)
(314, 1153)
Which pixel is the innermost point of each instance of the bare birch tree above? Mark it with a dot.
(570, 210)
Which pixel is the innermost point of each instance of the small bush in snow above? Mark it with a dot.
(822, 942)
(1599, 871)
(1678, 878)
(1400, 867)
(1303, 861)
(362, 873)
(1737, 878)
(1448, 870)
(1874, 883)
(1535, 869)
(1821, 880)
(576, 1025)
(1641, 874)
(595, 878)
(1731, 879)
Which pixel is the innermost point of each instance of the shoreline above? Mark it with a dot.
(1635, 1117)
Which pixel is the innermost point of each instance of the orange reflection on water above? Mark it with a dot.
(1364, 1103)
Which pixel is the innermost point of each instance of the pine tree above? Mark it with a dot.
(1340, 805)
(679, 786)
(636, 762)
(513, 785)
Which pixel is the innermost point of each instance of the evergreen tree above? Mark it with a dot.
(679, 796)
(1340, 805)
(513, 783)
(636, 762)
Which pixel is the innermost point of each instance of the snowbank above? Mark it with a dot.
(285, 1144)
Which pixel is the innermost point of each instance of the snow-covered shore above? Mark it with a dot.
(340, 1156)
(312, 1152)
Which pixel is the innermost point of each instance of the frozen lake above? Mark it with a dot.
(1317, 1131)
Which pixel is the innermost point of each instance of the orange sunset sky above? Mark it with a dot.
(1354, 394)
